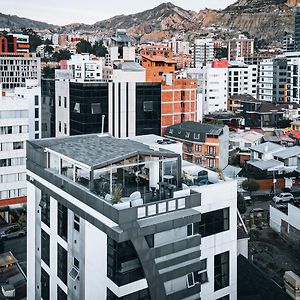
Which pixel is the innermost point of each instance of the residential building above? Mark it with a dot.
(203, 52)
(178, 46)
(242, 79)
(157, 60)
(14, 43)
(203, 144)
(215, 92)
(128, 72)
(90, 239)
(240, 47)
(228, 118)
(297, 28)
(20, 113)
(15, 68)
(265, 91)
(295, 125)
(288, 43)
(293, 89)
(178, 102)
(265, 151)
(257, 114)
(244, 139)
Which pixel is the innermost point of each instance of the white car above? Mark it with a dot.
(283, 197)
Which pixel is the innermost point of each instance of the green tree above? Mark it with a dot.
(241, 204)
(84, 47)
(48, 49)
(34, 39)
(250, 185)
(61, 55)
(47, 42)
(99, 49)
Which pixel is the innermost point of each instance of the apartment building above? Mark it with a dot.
(297, 28)
(14, 43)
(203, 144)
(203, 52)
(15, 68)
(178, 102)
(179, 46)
(293, 89)
(240, 47)
(265, 90)
(242, 79)
(215, 93)
(20, 120)
(91, 239)
(157, 60)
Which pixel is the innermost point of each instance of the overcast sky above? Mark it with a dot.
(62, 12)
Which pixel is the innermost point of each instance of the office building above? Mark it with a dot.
(14, 43)
(242, 79)
(110, 220)
(293, 89)
(240, 47)
(297, 28)
(288, 43)
(266, 77)
(203, 144)
(15, 68)
(20, 113)
(203, 52)
(178, 46)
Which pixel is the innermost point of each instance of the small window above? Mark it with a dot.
(65, 102)
(74, 273)
(76, 263)
(59, 126)
(76, 223)
(36, 100)
(59, 100)
(148, 106)
(96, 108)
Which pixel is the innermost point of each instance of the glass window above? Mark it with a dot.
(77, 108)
(224, 298)
(36, 113)
(61, 295)
(62, 221)
(96, 108)
(221, 271)
(45, 285)
(62, 263)
(18, 145)
(45, 208)
(65, 102)
(45, 247)
(36, 100)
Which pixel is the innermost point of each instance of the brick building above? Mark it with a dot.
(203, 144)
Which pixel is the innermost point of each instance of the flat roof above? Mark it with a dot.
(98, 150)
(288, 152)
(267, 147)
(265, 164)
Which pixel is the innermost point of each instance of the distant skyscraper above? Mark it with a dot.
(297, 28)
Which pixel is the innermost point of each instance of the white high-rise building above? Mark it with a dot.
(242, 79)
(15, 68)
(103, 224)
(265, 88)
(178, 46)
(203, 52)
(20, 113)
(293, 83)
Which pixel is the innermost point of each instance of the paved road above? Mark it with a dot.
(18, 248)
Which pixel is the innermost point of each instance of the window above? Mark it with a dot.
(62, 221)
(224, 298)
(221, 271)
(36, 125)
(65, 102)
(62, 263)
(5, 162)
(148, 106)
(140, 295)
(96, 108)
(18, 145)
(214, 222)
(45, 285)
(76, 223)
(198, 148)
(36, 113)
(45, 208)
(61, 295)
(45, 247)
(65, 128)
(59, 126)
(36, 100)
(76, 263)
(59, 100)
(190, 280)
(77, 108)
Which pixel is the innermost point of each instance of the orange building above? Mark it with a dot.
(158, 60)
(14, 43)
(178, 102)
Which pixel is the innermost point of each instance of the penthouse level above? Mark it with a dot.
(111, 220)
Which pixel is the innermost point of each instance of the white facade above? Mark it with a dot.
(129, 53)
(203, 52)
(22, 39)
(216, 89)
(179, 47)
(242, 79)
(265, 86)
(20, 115)
(293, 86)
(84, 68)
(17, 68)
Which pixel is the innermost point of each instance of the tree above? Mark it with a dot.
(47, 42)
(61, 55)
(34, 39)
(99, 50)
(48, 49)
(241, 204)
(48, 72)
(84, 47)
(250, 185)
(221, 52)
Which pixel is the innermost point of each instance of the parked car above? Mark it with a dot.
(12, 231)
(283, 197)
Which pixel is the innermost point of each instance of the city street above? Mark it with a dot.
(18, 248)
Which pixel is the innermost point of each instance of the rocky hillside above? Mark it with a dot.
(267, 19)
(16, 23)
